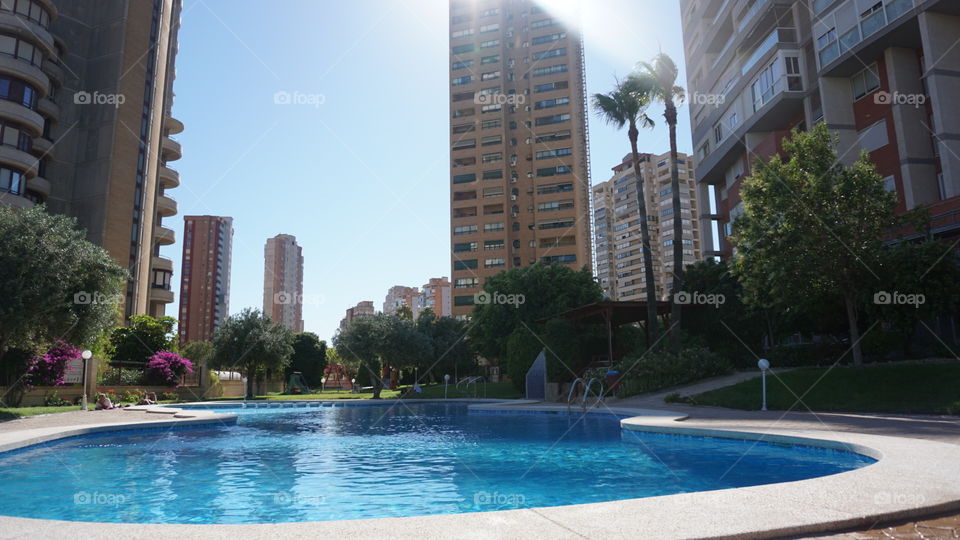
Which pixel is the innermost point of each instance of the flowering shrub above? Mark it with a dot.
(166, 368)
(169, 396)
(48, 369)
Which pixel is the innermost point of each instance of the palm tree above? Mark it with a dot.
(660, 76)
(626, 105)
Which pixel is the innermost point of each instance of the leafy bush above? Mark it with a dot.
(166, 368)
(49, 369)
(664, 369)
(121, 377)
(169, 396)
(53, 400)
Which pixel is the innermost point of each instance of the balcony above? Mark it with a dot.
(169, 178)
(159, 294)
(164, 236)
(42, 146)
(48, 108)
(869, 37)
(162, 263)
(31, 120)
(26, 71)
(54, 71)
(40, 185)
(175, 126)
(18, 159)
(171, 149)
(166, 206)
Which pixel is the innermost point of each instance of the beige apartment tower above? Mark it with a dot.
(283, 281)
(520, 186)
(85, 107)
(204, 276)
(362, 309)
(619, 248)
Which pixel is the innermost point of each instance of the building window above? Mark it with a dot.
(766, 85)
(550, 70)
(490, 59)
(464, 178)
(489, 28)
(540, 40)
(553, 137)
(464, 229)
(11, 181)
(489, 44)
(718, 133)
(462, 64)
(468, 264)
(493, 263)
(555, 205)
(493, 158)
(561, 259)
(542, 23)
(548, 103)
(492, 245)
(463, 49)
(865, 82)
(555, 119)
(828, 46)
(461, 33)
(559, 152)
(493, 227)
(464, 247)
(553, 171)
(466, 283)
(550, 53)
(463, 300)
(466, 79)
(547, 87)
(13, 89)
(492, 174)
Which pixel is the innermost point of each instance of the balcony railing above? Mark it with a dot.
(867, 26)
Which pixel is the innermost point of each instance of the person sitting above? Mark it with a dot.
(150, 398)
(104, 403)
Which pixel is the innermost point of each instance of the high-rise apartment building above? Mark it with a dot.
(520, 186)
(400, 295)
(436, 295)
(204, 276)
(617, 241)
(882, 74)
(283, 281)
(85, 111)
(362, 309)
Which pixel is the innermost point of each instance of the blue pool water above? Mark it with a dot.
(316, 464)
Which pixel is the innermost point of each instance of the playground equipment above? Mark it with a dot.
(297, 384)
(336, 376)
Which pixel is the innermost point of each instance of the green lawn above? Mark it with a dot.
(12, 413)
(889, 388)
(434, 391)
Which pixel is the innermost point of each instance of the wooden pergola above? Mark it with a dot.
(612, 315)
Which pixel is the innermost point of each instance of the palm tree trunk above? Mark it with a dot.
(651, 287)
(670, 113)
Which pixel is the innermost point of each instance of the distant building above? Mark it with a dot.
(619, 248)
(205, 276)
(283, 281)
(399, 295)
(438, 296)
(362, 309)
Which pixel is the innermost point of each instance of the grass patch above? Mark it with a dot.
(890, 388)
(12, 413)
(502, 390)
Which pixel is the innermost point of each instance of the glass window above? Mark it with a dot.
(865, 82)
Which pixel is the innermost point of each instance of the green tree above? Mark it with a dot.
(405, 313)
(141, 338)
(660, 76)
(400, 345)
(358, 343)
(309, 358)
(626, 105)
(54, 284)
(539, 291)
(811, 228)
(452, 352)
(250, 342)
(919, 281)
(199, 352)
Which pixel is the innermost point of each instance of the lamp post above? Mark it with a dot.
(446, 384)
(323, 384)
(353, 385)
(86, 356)
(764, 365)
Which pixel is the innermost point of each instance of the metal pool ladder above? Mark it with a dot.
(464, 385)
(587, 385)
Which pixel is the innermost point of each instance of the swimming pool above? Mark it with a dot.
(316, 464)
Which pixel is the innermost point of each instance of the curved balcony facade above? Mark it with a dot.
(169, 178)
(175, 126)
(166, 206)
(164, 236)
(171, 149)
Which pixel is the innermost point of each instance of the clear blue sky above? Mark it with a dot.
(360, 179)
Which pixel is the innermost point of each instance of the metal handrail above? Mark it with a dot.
(467, 381)
(573, 386)
(586, 392)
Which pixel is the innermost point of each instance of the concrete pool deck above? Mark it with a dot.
(913, 478)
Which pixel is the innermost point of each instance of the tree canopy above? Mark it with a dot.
(309, 358)
(253, 344)
(141, 338)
